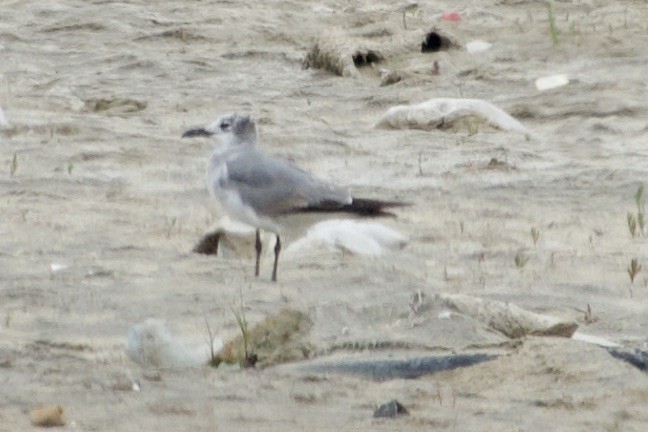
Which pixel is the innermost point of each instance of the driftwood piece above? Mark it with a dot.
(448, 114)
(507, 318)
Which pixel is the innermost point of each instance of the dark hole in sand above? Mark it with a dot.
(363, 58)
(208, 245)
(434, 42)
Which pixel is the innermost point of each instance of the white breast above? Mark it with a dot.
(230, 199)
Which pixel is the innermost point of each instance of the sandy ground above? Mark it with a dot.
(99, 93)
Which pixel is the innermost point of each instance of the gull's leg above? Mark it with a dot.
(258, 247)
(277, 250)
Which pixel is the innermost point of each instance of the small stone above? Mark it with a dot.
(152, 375)
(390, 410)
(391, 77)
(47, 416)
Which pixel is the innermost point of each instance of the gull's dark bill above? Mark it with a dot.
(197, 132)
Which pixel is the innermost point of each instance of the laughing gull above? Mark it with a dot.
(268, 192)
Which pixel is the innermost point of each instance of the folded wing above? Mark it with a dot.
(273, 186)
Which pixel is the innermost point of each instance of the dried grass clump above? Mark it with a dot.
(336, 53)
(277, 339)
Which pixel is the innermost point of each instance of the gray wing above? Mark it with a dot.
(273, 186)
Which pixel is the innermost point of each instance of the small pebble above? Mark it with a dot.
(47, 416)
(152, 375)
(390, 410)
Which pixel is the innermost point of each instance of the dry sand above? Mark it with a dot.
(99, 93)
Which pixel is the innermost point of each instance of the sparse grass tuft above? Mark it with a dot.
(633, 269)
(637, 222)
(213, 359)
(589, 317)
(248, 359)
(409, 7)
(553, 30)
(632, 224)
(535, 235)
(169, 225)
(572, 28)
(639, 200)
(521, 260)
(14, 165)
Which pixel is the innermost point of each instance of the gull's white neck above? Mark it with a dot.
(226, 145)
(227, 148)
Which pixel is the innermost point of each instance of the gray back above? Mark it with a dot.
(272, 186)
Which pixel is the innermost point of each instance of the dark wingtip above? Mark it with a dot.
(197, 132)
(359, 206)
(370, 207)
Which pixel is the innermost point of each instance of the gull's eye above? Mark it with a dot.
(225, 125)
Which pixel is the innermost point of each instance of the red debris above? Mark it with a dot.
(451, 16)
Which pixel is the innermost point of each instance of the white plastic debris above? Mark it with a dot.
(356, 237)
(477, 46)
(438, 112)
(551, 81)
(58, 267)
(322, 9)
(596, 340)
(445, 314)
(151, 345)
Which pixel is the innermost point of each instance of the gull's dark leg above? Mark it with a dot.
(258, 247)
(277, 250)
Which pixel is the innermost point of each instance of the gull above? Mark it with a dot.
(270, 193)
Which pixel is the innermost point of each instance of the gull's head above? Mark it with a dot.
(229, 128)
